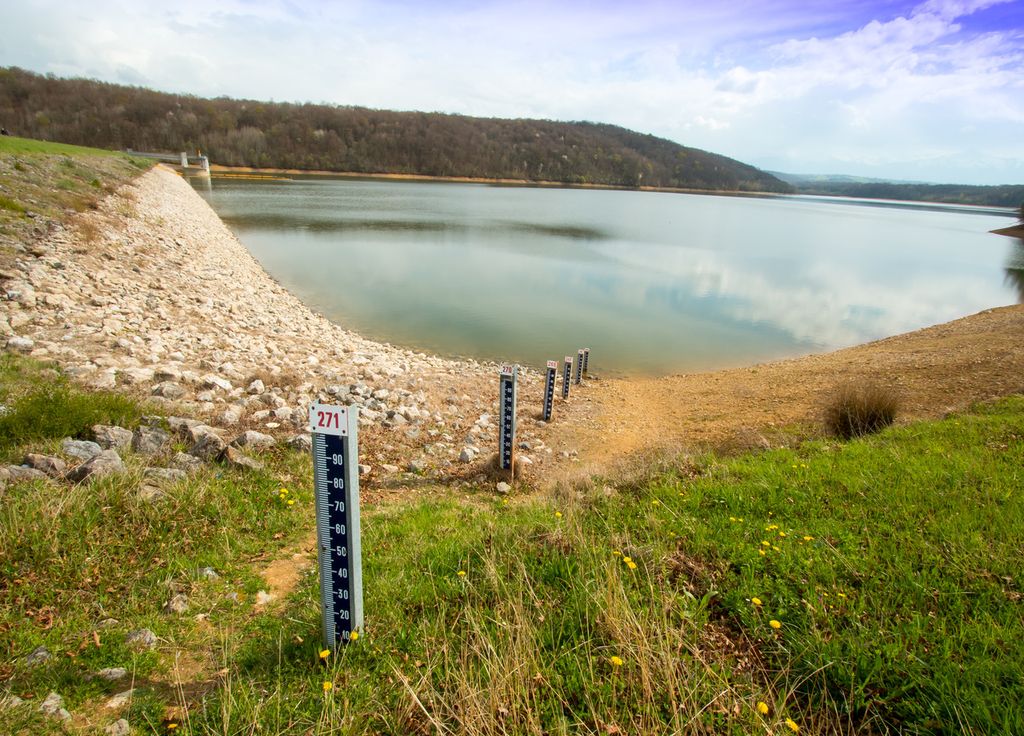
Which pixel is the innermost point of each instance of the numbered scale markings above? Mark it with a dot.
(336, 479)
(579, 367)
(549, 389)
(507, 426)
(566, 373)
(586, 359)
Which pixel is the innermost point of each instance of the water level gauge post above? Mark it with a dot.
(507, 417)
(339, 553)
(549, 389)
(566, 376)
(579, 366)
(586, 360)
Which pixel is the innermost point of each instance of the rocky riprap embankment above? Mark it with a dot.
(156, 296)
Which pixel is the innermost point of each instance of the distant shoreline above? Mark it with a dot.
(221, 169)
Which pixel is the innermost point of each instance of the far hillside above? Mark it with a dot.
(1003, 195)
(360, 140)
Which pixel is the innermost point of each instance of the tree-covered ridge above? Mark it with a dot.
(361, 140)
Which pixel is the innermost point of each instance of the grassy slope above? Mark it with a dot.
(41, 181)
(891, 564)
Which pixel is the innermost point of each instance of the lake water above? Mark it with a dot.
(652, 283)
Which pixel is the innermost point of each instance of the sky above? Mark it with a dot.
(930, 91)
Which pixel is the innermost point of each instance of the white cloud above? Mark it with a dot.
(775, 83)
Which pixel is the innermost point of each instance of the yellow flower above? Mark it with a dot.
(782, 534)
(732, 518)
(616, 661)
(808, 539)
(325, 653)
(791, 725)
(627, 560)
(776, 548)
(291, 501)
(353, 636)
(631, 565)
(283, 491)
(761, 552)
(461, 573)
(765, 543)
(655, 502)
(762, 708)
(616, 553)
(558, 514)
(756, 601)
(775, 624)
(328, 686)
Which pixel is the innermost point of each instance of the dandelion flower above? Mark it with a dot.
(616, 661)
(762, 707)
(808, 539)
(655, 502)
(283, 491)
(631, 565)
(765, 543)
(325, 653)
(782, 534)
(328, 686)
(291, 501)
(558, 514)
(761, 552)
(791, 725)
(627, 560)
(732, 518)
(756, 601)
(616, 553)
(461, 573)
(775, 624)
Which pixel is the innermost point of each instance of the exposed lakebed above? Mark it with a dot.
(651, 282)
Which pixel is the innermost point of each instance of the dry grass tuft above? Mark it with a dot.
(860, 408)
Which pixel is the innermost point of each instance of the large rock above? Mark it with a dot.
(112, 438)
(23, 473)
(149, 440)
(108, 462)
(253, 439)
(237, 459)
(182, 426)
(112, 673)
(301, 442)
(177, 604)
(184, 461)
(141, 639)
(169, 390)
(211, 381)
(168, 475)
(120, 727)
(20, 344)
(81, 449)
(52, 466)
(53, 706)
(208, 447)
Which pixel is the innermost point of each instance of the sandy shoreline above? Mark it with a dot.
(161, 300)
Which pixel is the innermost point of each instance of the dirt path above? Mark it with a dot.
(935, 370)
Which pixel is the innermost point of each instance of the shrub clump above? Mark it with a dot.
(860, 408)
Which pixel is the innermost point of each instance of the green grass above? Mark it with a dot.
(44, 181)
(15, 145)
(892, 564)
(40, 404)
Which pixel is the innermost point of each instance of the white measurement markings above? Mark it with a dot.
(336, 478)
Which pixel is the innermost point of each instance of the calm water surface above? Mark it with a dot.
(652, 283)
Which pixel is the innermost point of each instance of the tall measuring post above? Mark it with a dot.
(566, 374)
(579, 366)
(586, 359)
(336, 481)
(507, 424)
(549, 389)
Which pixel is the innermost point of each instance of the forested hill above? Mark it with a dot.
(354, 139)
(1000, 195)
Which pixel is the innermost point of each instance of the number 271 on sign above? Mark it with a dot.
(327, 419)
